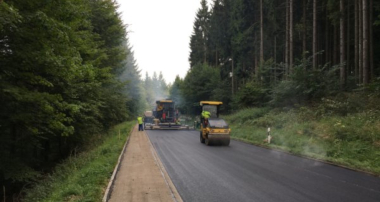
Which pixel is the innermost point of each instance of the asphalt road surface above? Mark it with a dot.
(242, 172)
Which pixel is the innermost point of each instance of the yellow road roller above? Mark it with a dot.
(214, 130)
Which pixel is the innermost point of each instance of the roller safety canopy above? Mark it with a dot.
(210, 103)
(164, 101)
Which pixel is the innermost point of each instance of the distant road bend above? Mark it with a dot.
(243, 172)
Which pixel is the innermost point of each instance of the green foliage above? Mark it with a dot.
(241, 117)
(199, 38)
(345, 104)
(10, 17)
(175, 92)
(305, 86)
(83, 176)
(61, 63)
(201, 83)
(351, 140)
(134, 88)
(251, 94)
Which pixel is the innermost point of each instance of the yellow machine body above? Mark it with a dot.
(214, 130)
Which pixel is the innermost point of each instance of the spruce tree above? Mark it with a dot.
(199, 38)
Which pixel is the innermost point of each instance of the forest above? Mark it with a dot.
(68, 72)
(250, 53)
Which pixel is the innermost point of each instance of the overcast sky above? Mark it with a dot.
(159, 32)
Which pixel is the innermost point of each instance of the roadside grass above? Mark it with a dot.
(84, 177)
(352, 140)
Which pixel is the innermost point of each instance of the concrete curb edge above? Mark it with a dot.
(116, 170)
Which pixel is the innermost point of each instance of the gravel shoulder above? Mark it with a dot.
(141, 176)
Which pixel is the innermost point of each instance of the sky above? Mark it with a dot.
(159, 33)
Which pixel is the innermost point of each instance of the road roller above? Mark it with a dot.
(214, 130)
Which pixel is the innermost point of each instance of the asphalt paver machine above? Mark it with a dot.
(165, 116)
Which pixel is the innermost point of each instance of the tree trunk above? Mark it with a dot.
(356, 66)
(327, 37)
(360, 66)
(342, 47)
(243, 73)
(256, 66)
(348, 58)
(13, 140)
(365, 43)
(261, 33)
(275, 59)
(314, 34)
(287, 38)
(372, 77)
(275, 49)
(291, 36)
(216, 58)
(335, 46)
(204, 54)
(232, 78)
(304, 31)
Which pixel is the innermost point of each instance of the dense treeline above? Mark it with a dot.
(251, 53)
(67, 73)
(155, 88)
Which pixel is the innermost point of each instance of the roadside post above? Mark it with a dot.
(269, 137)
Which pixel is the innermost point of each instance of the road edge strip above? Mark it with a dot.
(116, 169)
(173, 190)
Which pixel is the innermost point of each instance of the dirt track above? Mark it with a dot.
(141, 176)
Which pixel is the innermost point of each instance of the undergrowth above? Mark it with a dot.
(333, 131)
(83, 177)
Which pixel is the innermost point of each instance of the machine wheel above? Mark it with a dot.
(201, 138)
(207, 142)
(226, 142)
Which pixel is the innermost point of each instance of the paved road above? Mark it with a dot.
(242, 172)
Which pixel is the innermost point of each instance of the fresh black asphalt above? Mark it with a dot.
(243, 172)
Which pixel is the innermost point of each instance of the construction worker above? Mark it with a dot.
(205, 115)
(140, 122)
(164, 117)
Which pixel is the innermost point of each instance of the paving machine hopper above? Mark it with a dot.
(148, 119)
(214, 130)
(166, 116)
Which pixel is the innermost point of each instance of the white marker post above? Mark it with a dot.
(269, 137)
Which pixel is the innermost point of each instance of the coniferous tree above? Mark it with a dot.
(199, 38)
(59, 86)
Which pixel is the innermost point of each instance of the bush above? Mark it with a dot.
(305, 86)
(251, 94)
(246, 115)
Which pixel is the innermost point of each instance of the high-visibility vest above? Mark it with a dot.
(206, 114)
(140, 120)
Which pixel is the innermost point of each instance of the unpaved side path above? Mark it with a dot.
(142, 176)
